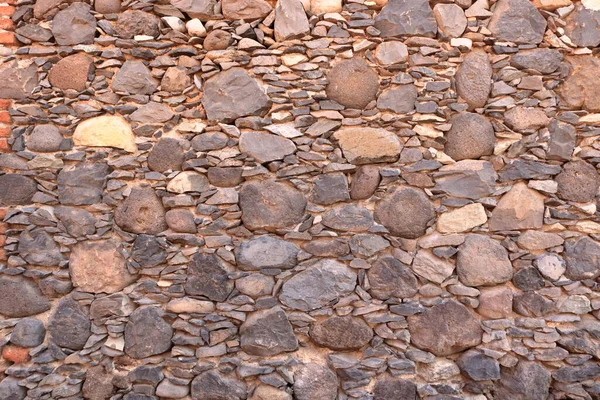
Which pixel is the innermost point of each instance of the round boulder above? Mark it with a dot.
(578, 181)
(135, 22)
(470, 137)
(405, 213)
(352, 83)
(217, 40)
(44, 139)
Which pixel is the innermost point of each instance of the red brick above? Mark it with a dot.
(5, 104)
(7, 11)
(2, 240)
(8, 39)
(7, 24)
(4, 147)
(2, 213)
(3, 228)
(4, 117)
(15, 354)
(5, 131)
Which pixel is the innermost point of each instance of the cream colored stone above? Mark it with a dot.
(537, 240)
(105, 131)
(588, 227)
(188, 181)
(190, 306)
(520, 208)
(551, 5)
(462, 219)
(368, 145)
(293, 59)
(325, 6)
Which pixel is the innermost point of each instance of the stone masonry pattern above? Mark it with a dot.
(300, 199)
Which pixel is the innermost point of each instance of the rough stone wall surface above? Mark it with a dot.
(311, 200)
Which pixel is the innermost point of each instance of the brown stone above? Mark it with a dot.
(217, 40)
(365, 182)
(576, 92)
(482, 261)
(390, 278)
(495, 302)
(352, 83)
(107, 6)
(578, 181)
(135, 22)
(368, 145)
(71, 72)
(167, 154)
(175, 80)
(520, 208)
(526, 119)
(245, 9)
(470, 137)
(141, 212)
(474, 79)
(406, 212)
(15, 354)
(342, 333)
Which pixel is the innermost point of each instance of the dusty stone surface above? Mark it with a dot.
(405, 213)
(352, 83)
(473, 79)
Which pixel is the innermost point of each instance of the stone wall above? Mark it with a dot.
(237, 199)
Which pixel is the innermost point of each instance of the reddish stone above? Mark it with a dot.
(15, 354)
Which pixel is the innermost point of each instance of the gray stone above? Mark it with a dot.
(545, 61)
(365, 182)
(152, 113)
(136, 22)
(28, 332)
(318, 285)
(265, 147)
(37, 247)
(141, 212)
(580, 342)
(388, 277)
(528, 380)
(393, 388)
(341, 333)
(206, 276)
(571, 374)
(352, 83)
(367, 245)
(348, 217)
(167, 154)
(583, 258)
(562, 141)
(531, 304)
(76, 221)
(134, 78)
(201, 9)
(583, 26)
(44, 139)
(169, 390)
(210, 141)
(406, 212)
(471, 136)
(16, 189)
(482, 261)
(255, 285)
(314, 381)
(432, 268)
(474, 79)
(181, 220)
(528, 279)
(517, 21)
(225, 177)
(578, 181)
(290, 20)
(400, 99)
(17, 82)
(525, 169)
(69, 326)
(82, 183)
(267, 333)
(148, 251)
(74, 25)
(98, 382)
(11, 390)
(147, 333)
(21, 297)
(233, 94)
(330, 188)
(327, 247)
(471, 179)
(266, 252)
(112, 306)
(406, 18)
(212, 385)
(478, 367)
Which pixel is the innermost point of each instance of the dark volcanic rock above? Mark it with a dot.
(517, 21)
(474, 79)
(531, 304)
(37, 247)
(527, 381)
(583, 258)
(147, 333)
(405, 212)
(44, 139)
(348, 217)
(479, 367)
(528, 279)
(267, 333)
(136, 22)
(314, 381)
(352, 83)
(342, 333)
(148, 251)
(583, 26)
(266, 252)
(471, 136)
(74, 25)
(406, 18)
(570, 374)
(578, 181)
(365, 182)
(166, 154)
(21, 297)
(524, 169)
(141, 212)
(69, 326)
(28, 332)
(330, 188)
(212, 385)
(207, 277)
(400, 99)
(76, 221)
(82, 183)
(545, 61)
(391, 388)
(16, 189)
(11, 390)
(562, 141)
(134, 78)
(390, 278)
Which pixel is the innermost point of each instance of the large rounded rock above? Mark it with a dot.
(314, 381)
(390, 278)
(271, 205)
(147, 333)
(405, 213)
(44, 139)
(266, 252)
(482, 261)
(341, 333)
(107, 6)
(267, 333)
(28, 332)
(445, 329)
(74, 25)
(135, 22)
(167, 154)
(479, 367)
(583, 258)
(212, 385)
(365, 182)
(217, 40)
(16, 189)
(392, 388)
(134, 78)
(207, 277)
(517, 21)
(141, 212)
(71, 72)
(406, 18)
(578, 181)
(528, 380)
(70, 326)
(471, 136)
(21, 297)
(474, 79)
(352, 83)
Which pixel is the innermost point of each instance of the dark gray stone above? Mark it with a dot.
(82, 183)
(471, 179)
(392, 388)
(367, 245)
(583, 258)
(134, 78)
(583, 26)
(21, 297)
(69, 326)
(406, 212)
(545, 61)
(148, 251)
(210, 141)
(578, 181)
(167, 154)
(341, 333)
(531, 304)
(266, 252)
(352, 83)
(471, 136)
(523, 169)
(562, 141)
(141, 212)
(202, 9)
(44, 139)
(528, 279)
(349, 217)
(28, 332)
(147, 333)
(399, 99)
(267, 333)
(478, 367)
(406, 18)
(11, 390)
(314, 381)
(77, 222)
(517, 21)
(112, 306)
(265, 147)
(390, 278)
(212, 385)
(74, 25)
(474, 79)
(16, 189)
(571, 374)
(207, 277)
(330, 188)
(528, 380)
(37, 247)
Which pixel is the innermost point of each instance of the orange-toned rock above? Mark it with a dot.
(15, 354)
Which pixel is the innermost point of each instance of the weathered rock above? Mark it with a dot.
(390, 278)
(188, 181)
(71, 72)
(141, 212)
(99, 267)
(462, 219)
(218, 40)
(327, 247)
(391, 388)
(528, 380)
(445, 329)
(37, 247)
(432, 268)
(471, 136)
(525, 119)
(105, 131)
(225, 177)
(367, 245)
(473, 84)
(74, 25)
(479, 367)
(136, 22)
(167, 154)
(255, 285)
(348, 217)
(341, 333)
(537, 240)
(330, 188)
(148, 251)
(206, 276)
(11, 390)
(583, 26)
(210, 141)
(188, 305)
(44, 138)
(482, 261)
(69, 326)
(169, 390)
(439, 370)
(318, 285)
(578, 181)
(181, 220)
(545, 61)
(531, 304)
(267, 333)
(389, 53)
(406, 18)
(570, 374)
(451, 19)
(368, 145)
(471, 179)
(152, 113)
(212, 385)
(175, 80)
(562, 141)
(495, 302)
(201, 9)
(233, 94)
(290, 20)
(365, 182)
(111, 306)
(551, 266)
(400, 99)
(528, 279)
(98, 382)
(16, 189)
(266, 252)
(353, 84)
(21, 297)
(107, 6)
(405, 212)
(134, 78)
(18, 82)
(576, 92)
(265, 147)
(28, 332)
(147, 333)
(520, 208)
(580, 342)
(266, 392)
(523, 169)
(246, 9)
(271, 205)
(517, 21)
(583, 258)
(314, 381)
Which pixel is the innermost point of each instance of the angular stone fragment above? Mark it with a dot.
(517, 21)
(71, 72)
(528, 279)
(520, 208)
(206, 276)
(266, 252)
(330, 188)
(201, 9)
(175, 80)
(265, 147)
(290, 20)
(11, 390)
(445, 329)
(141, 212)
(400, 99)
(432, 268)
(367, 245)
(190, 306)
(16, 189)
(482, 261)
(147, 333)
(152, 113)
(212, 385)
(148, 251)
(37, 247)
(583, 25)
(341, 333)
(583, 258)
(471, 136)
(525, 119)
(136, 22)
(28, 332)
(391, 388)
(528, 380)
(531, 304)
(523, 169)
(365, 182)
(99, 267)
(578, 181)
(462, 219)
(271, 205)
(74, 25)
(17, 82)
(327, 247)
(44, 138)
(245, 9)
(111, 306)
(348, 217)
(580, 342)
(98, 382)
(474, 79)
(479, 367)
(495, 302)
(225, 177)
(471, 179)
(551, 266)
(544, 60)
(451, 19)
(167, 154)
(537, 240)
(318, 285)
(188, 181)
(576, 92)
(233, 94)
(352, 83)
(267, 333)
(405, 212)
(388, 277)
(134, 78)
(562, 141)
(389, 53)
(69, 326)
(368, 145)
(314, 381)
(105, 131)
(406, 18)
(21, 297)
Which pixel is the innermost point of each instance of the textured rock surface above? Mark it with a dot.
(21, 297)
(473, 79)
(517, 21)
(406, 18)
(146, 333)
(405, 212)
(141, 212)
(267, 333)
(341, 333)
(367, 145)
(352, 83)
(471, 136)
(482, 261)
